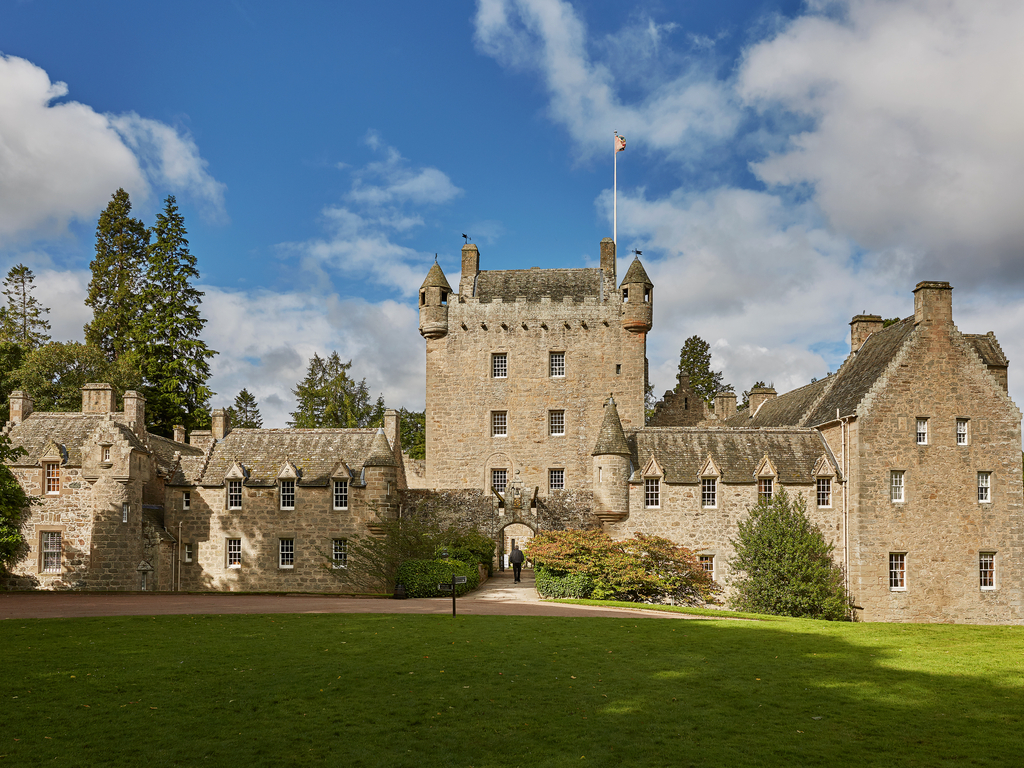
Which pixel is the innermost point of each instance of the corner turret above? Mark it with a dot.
(637, 299)
(434, 295)
(611, 468)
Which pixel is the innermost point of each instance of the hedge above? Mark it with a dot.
(577, 586)
(421, 577)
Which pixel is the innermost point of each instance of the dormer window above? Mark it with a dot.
(234, 494)
(287, 494)
(765, 488)
(52, 478)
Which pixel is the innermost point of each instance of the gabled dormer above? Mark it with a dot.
(710, 468)
(766, 476)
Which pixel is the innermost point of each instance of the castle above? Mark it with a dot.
(908, 457)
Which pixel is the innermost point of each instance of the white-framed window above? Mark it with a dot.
(709, 492)
(556, 364)
(499, 423)
(125, 508)
(234, 494)
(499, 479)
(339, 553)
(188, 552)
(556, 479)
(106, 453)
(765, 487)
(987, 570)
(234, 553)
(962, 434)
(824, 491)
(341, 494)
(556, 422)
(897, 491)
(652, 492)
(186, 500)
(897, 571)
(499, 365)
(287, 494)
(707, 562)
(286, 553)
(50, 547)
(922, 431)
(984, 487)
(52, 473)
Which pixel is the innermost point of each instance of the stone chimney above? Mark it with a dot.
(608, 265)
(470, 269)
(98, 398)
(393, 431)
(861, 327)
(933, 303)
(135, 412)
(725, 405)
(179, 433)
(21, 406)
(758, 396)
(220, 426)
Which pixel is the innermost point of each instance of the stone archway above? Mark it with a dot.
(520, 533)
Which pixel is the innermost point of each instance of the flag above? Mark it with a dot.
(620, 143)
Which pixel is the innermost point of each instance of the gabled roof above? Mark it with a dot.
(783, 411)
(988, 349)
(163, 451)
(72, 431)
(556, 284)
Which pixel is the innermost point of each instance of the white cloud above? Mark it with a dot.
(396, 181)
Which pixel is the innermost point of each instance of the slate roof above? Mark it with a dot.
(637, 274)
(785, 410)
(435, 279)
(164, 450)
(682, 451)
(314, 452)
(988, 348)
(611, 440)
(508, 284)
(70, 430)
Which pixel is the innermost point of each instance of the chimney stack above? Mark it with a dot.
(608, 264)
(725, 405)
(470, 269)
(98, 398)
(933, 303)
(393, 431)
(220, 426)
(21, 406)
(179, 433)
(861, 327)
(758, 396)
(135, 412)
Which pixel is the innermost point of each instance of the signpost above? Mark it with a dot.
(451, 588)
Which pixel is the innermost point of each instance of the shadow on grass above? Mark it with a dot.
(506, 691)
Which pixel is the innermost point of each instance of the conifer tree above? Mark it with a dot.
(328, 397)
(115, 291)
(695, 362)
(175, 358)
(245, 413)
(23, 320)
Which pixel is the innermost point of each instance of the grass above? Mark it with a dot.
(688, 610)
(364, 690)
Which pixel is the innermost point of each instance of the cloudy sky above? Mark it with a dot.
(789, 164)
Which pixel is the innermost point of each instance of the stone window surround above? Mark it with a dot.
(963, 431)
(499, 365)
(51, 478)
(286, 495)
(187, 551)
(339, 553)
(765, 487)
(499, 423)
(652, 493)
(286, 552)
(233, 493)
(824, 489)
(232, 552)
(987, 570)
(556, 364)
(125, 509)
(922, 430)
(340, 494)
(897, 486)
(706, 560)
(186, 500)
(897, 571)
(709, 492)
(501, 475)
(984, 487)
(556, 479)
(556, 422)
(45, 539)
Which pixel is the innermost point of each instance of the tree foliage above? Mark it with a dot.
(414, 433)
(11, 357)
(14, 504)
(23, 320)
(328, 397)
(55, 373)
(641, 569)
(245, 413)
(695, 362)
(784, 564)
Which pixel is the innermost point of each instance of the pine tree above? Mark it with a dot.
(245, 413)
(414, 433)
(175, 358)
(695, 362)
(328, 397)
(23, 320)
(115, 291)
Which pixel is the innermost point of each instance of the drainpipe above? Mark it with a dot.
(846, 500)
(178, 546)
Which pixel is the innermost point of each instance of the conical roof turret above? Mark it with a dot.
(381, 454)
(611, 440)
(636, 274)
(435, 279)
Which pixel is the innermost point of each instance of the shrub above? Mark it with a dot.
(785, 564)
(576, 586)
(421, 577)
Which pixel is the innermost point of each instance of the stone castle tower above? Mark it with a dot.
(520, 364)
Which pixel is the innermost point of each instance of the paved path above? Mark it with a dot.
(499, 596)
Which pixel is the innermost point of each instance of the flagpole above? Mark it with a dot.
(615, 190)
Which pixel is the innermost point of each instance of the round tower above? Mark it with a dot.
(611, 468)
(637, 299)
(434, 295)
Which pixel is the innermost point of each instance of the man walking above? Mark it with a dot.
(516, 558)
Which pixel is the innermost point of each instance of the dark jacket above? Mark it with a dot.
(516, 556)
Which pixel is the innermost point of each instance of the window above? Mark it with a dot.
(647, 294)
(125, 506)
(896, 485)
(234, 553)
(341, 494)
(625, 295)
(984, 487)
(287, 494)
(897, 570)
(922, 431)
(556, 479)
(234, 494)
(618, 369)
(764, 489)
(499, 365)
(709, 492)
(499, 423)
(188, 553)
(52, 472)
(707, 562)
(286, 553)
(339, 553)
(556, 422)
(652, 493)
(961, 431)
(557, 364)
(824, 492)
(106, 454)
(50, 547)
(499, 479)
(987, 569)
(186, 500)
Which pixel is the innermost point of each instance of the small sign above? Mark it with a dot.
(445, 587)
(460, 579)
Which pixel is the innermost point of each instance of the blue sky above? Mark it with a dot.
(789, 164)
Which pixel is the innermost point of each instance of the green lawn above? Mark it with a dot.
(357, 690)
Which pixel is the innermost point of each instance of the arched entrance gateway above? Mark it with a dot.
(519, 534)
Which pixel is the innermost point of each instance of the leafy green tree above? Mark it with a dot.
(55, 373)
(11, 357)
(14, 503)
(784, 564)
(245, 413)
(175, 358)
(23, 320)
(328, 397)
(116, 287)
(695, 362)
(414, 433)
